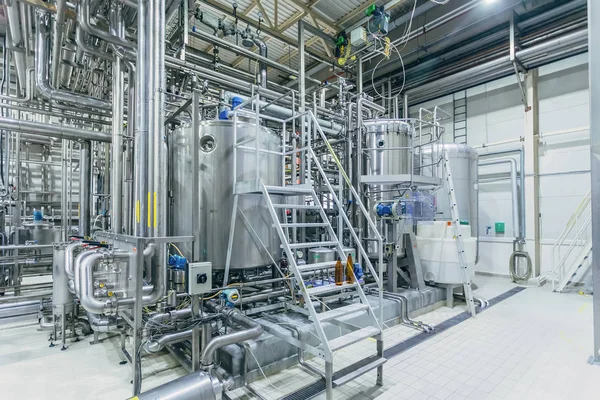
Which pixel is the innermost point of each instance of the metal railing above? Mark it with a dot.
(307, 120)
(579, 223)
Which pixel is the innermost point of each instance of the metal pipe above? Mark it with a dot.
(156, 345)
(116, 169)
(59, 23)
(69, 257)
(253, 330)
(14, 24)
(514, 190)
(83, 18)
(92, 51)
(246, 53)
(42, 82)
(141, 123)
(55, 131)
(86, 284)
(85, 189)
(523, 217)
(28, 90)
(262, 46)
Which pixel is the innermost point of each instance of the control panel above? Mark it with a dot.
(199, 279)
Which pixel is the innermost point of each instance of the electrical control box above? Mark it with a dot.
(199, 278)
(358, 37)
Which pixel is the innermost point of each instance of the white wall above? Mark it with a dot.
(495, 114)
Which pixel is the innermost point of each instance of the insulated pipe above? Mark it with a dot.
(154, 346)
(28, 90)
(84, 21)
(54, 131)
(85, 189)
(14, 24)
(158, 135)
(141, 124)
(246, 53)
(514, 190)
(42, 82)
(253, 330)
(92, 51)
(69, 257)
(327, 125)
(86, 285)
(262, 46)
(116, 169)
(59, 24)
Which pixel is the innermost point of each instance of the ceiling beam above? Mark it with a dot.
(264, 14)
(307, 9)
(325, 46)
(353, 13)
(216, 5)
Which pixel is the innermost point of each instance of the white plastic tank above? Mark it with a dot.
(438, 252)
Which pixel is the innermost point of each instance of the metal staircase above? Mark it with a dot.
(572, 263)
(460, 245)
(305, 198)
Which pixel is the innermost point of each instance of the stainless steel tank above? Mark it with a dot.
(463, 164)
(320, 255)
(387, 152)
(61, 295)
(214, 199)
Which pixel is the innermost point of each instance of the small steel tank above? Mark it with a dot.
(320, 255)
(215, 193)
(388, 154)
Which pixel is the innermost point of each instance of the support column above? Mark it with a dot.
(532, 177)
(594, 66)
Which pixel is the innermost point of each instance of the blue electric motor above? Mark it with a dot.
(177, 261)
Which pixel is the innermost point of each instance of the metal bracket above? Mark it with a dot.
(518, 67)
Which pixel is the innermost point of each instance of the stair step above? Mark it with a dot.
(353, 337)
(353, 374)
(318, 290)
(310, 244)
(316, 266)
(292, 190)
(341, 312)
(297, 206)
(305, 225)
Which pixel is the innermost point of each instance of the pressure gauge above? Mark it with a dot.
(299, 254)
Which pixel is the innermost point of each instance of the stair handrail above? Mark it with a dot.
(559, 260)
(380, 240)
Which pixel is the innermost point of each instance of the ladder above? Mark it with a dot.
(460, 245)
(459, 103)
(576, 267)
(292, 197)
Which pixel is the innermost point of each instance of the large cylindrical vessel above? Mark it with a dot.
(215, 193)
(387, 153)
(463, 165)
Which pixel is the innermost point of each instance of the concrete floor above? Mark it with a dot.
(533, 345)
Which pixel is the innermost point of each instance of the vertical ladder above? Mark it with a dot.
(460, 244)
(459, 101)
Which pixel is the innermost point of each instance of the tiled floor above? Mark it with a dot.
(533, 345)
